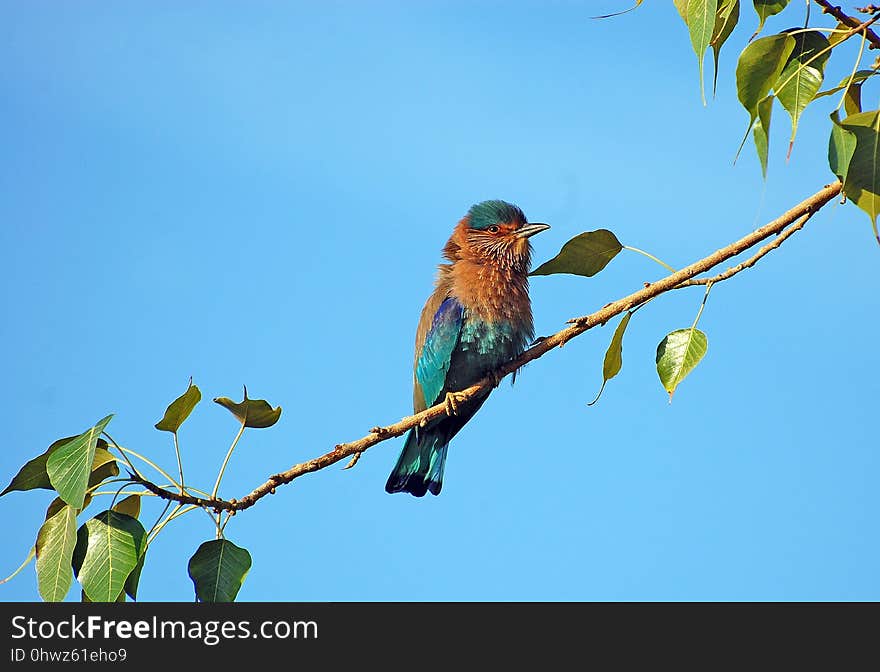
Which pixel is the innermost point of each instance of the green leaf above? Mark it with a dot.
(682, 7)
(726, 19)
(677, 355)
(862, 185)
(585, 254)
(800, 79)
(256, 413)
(131, 583)
(108, 548)
(761, 132)
(130, 506)
(57, 504)
(758, 69)
(614, 355)
(33, 475)
(852, 99)
(55, 543)
(701, 25)
(104, 466)
(70, 464)
(841, 146)
(768, 8)
(856, 78)
(179, 409)
(218, 569)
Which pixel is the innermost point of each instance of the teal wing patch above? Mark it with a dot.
(436, 355)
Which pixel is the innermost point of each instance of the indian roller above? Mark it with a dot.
(478, 317)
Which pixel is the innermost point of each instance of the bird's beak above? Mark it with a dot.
(530, 230)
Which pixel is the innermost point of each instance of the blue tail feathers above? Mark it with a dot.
(419, 468)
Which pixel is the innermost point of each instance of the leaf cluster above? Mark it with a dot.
(106, 553)
(789, 67)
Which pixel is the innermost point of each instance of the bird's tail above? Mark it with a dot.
(419, 468)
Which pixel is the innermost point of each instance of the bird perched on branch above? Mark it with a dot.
(478, 317)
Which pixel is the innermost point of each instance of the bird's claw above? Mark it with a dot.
(453, 399)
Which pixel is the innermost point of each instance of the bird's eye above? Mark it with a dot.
(493, 229)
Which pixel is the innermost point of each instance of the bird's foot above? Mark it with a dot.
(453, 399)
(495, 378)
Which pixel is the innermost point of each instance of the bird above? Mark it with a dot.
(478, 317)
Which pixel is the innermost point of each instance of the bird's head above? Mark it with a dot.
(494, 232)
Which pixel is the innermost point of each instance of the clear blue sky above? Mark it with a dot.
(259, 195)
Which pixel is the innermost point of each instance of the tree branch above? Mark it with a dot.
(751, 261)
(852, 22)
(577, 326)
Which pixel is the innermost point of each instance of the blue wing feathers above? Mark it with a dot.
(419, 468)
(436, 355)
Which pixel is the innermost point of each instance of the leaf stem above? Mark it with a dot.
(178, 511)
(150, 462)
(650, 256)
(160, 518)
(179, 461)
(142, 493)
(853, 74)
(124, 456)
(226, 461)
(816, 29)
(703, 303)
(26, 562)
(861, 28)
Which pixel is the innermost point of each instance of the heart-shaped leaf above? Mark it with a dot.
(256, 413)
(802, 75)
(179, 409)
(758, 69)
(585, 254)
(70, 464)
(55, 543)
(677, 355)
(217, 569)
(862, 184)
(33, 475)
(108, 548)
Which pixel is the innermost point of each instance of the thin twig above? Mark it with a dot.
(751, 261)
(576, 327)
(847, 20)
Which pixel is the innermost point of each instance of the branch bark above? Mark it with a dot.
(851, 22)
(751, 261)
(577, 326)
